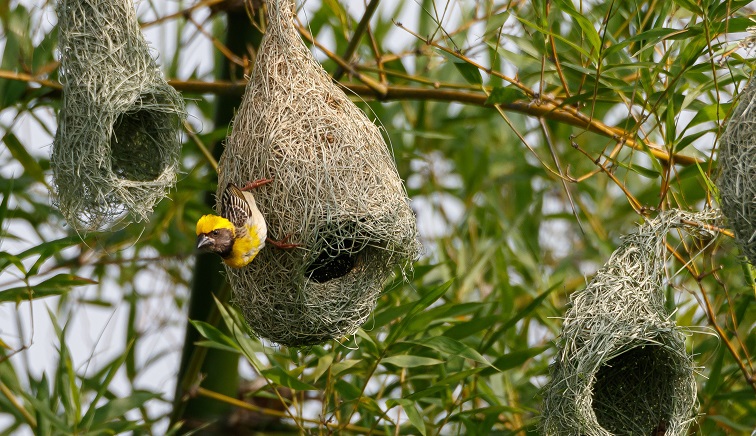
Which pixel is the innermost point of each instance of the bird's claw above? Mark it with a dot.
(282, 244)
(255, 184)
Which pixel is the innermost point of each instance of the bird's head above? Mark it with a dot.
(215, 234)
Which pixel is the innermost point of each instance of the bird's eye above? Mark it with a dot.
(215, 232)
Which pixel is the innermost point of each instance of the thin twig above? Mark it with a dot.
(12, 399)
(375, 86)
(359, 31)
(181, 13)
(201, 145)
(272, 412)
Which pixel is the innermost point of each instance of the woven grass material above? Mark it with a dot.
(116, 151)
(736, 179)
(336, 191)
(621, 367)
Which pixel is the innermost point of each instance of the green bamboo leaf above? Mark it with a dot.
(470, 72)
(408, 361)
(339, 367)
(505, 95)
(324, 362)
(527, 310)
(18, 151)
(112, 369)
(472, 326)
(56, 285)
(686, 140)
(420, 305)
(240, 334)
(452, 347)
(690, 5)
(515, 359)
(585, 25)
(494, 22)
(556, 36)
(117, 408)
(45, 250)
(4, 204)
(348, 391)
(280, 377)
(650, 37)
(215, 336)
(410, 410)
(643, 171)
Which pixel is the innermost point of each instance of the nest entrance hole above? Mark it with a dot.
(136, 141)
(633, 393)
(336, 260)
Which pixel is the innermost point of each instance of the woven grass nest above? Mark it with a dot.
(116, 150)
(336, 192)
(736, 179)
(621, 366)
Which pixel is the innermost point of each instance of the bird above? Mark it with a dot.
(240, 232)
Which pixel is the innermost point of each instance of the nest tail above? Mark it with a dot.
(116, 150)
(736, 179)
(621, 365)
(336, 191)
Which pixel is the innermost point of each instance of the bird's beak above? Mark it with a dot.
(203, 241)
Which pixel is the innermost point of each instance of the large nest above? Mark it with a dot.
(621, 367)
(336, 191)
(737, 172)
(116, 151)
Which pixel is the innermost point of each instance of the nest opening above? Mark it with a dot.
(333, 262)
(631, 392)
(135, 144)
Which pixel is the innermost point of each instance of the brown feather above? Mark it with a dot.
(234, 207)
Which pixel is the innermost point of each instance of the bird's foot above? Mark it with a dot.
(283, 244)
(255, 184)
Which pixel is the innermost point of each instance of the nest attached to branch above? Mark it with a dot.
(336, 191)
(737, 172)
(116, 151)
(621, 367)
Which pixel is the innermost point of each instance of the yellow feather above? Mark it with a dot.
(208, 223)
(245, 248)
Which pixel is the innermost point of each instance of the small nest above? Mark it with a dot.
(621, 367)
(737, 172)
(336, 192)
(116, 151)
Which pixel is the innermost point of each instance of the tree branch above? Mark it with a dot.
(545, 109)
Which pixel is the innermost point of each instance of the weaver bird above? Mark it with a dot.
(240, 232)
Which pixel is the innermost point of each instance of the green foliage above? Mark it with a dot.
(576, 107)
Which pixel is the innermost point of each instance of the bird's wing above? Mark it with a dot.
(234, 207)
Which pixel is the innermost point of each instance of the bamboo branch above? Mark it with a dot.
(545, 109)
(358, 33)
(273, 412)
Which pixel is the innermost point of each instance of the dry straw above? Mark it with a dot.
(621, 367)
(336, 191)
(737, 172)
(115, 154)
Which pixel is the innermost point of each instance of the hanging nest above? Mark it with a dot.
(116, 150)
(336, 192)
(621, 367)
(737, 172)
